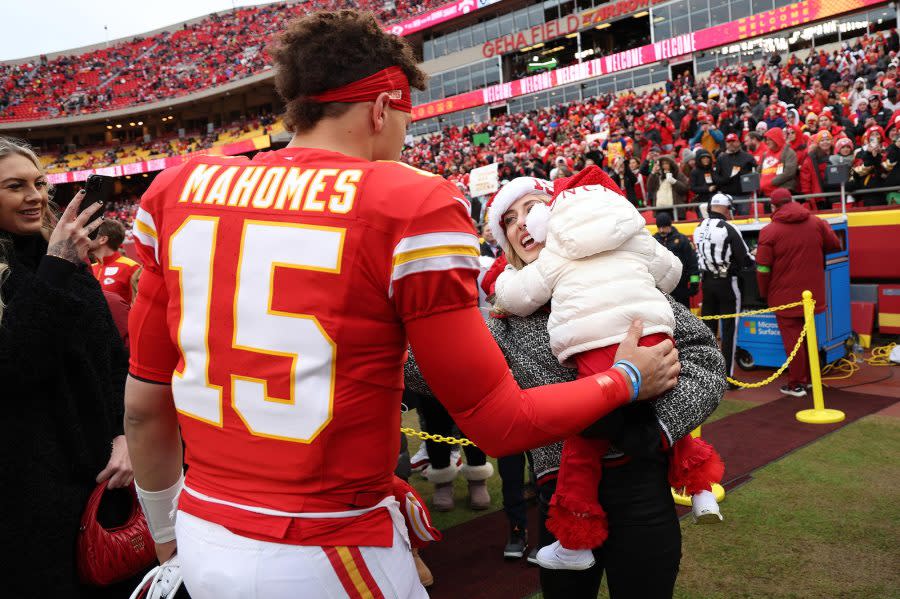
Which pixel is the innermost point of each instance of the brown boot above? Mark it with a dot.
(425, 576)
(442, 500)
(479, 498)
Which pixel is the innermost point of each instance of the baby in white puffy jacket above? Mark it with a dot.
(600, 270)
(601, 267)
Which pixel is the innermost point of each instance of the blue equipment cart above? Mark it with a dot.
(758, 338)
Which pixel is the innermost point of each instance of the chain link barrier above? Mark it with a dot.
(790, 358)
(411, 432)
(778, 372)
(752, 312)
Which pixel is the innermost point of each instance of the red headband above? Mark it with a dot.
(391, 80)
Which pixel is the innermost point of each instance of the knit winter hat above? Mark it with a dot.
(506, 197)
(841, 143)
(824, 134)
(870, 131)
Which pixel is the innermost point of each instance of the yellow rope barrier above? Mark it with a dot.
(411, 432)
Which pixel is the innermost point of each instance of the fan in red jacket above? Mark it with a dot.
(790, 259)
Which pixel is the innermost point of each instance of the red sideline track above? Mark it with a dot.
(468, 563)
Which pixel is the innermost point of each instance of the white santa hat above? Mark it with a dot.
(506, 197)
(592, 180)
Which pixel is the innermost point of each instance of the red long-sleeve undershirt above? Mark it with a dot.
(467, 372)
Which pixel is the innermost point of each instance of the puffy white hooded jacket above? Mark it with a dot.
(601, 268)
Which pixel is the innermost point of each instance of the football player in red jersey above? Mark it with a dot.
(271, 326)
(116, 273)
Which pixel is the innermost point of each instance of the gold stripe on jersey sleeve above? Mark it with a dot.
(145, 228)
(447, 250)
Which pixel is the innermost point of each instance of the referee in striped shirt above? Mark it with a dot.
(721, 254)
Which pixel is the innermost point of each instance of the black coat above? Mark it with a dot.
(678, 243)
(63, 368)
(892, 176)
(627, 180)
(702, 179)
(727, 178)
(871, 180)
(490, 252)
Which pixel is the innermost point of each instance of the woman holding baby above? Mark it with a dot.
(631, 513)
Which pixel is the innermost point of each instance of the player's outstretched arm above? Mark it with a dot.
(467, 373)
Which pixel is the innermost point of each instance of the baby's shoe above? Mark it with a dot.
(557, 557)
(705, 508)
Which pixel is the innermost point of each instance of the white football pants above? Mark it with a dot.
(218, 564)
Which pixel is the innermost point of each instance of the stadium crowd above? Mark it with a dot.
(667, 146)
(786, 119)
(218, 49)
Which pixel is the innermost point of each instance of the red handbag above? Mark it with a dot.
(110, 555)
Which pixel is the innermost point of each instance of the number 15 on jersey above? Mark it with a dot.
(259, 329)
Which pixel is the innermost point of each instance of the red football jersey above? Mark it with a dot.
(273, 300)
(114, 273)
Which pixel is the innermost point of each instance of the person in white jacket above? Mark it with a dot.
(601, 270)
(596, 241)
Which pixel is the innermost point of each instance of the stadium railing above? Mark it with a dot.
(857, 194)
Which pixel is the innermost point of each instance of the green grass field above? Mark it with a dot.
(820, 523)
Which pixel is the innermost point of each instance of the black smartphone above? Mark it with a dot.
(98, 188)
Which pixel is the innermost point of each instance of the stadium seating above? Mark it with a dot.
(159, 148)
(220, 48)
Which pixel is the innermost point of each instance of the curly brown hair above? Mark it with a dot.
(325, 50)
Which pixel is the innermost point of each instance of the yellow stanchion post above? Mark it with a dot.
(685, 500)
(819, 414)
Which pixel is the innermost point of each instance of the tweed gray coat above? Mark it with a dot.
(525, 343)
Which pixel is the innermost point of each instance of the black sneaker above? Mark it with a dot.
(795, 390)
(532, 557)
(516, 545)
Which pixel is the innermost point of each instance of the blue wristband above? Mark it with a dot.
(635, 386)
(634, 374)
(634, 370)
